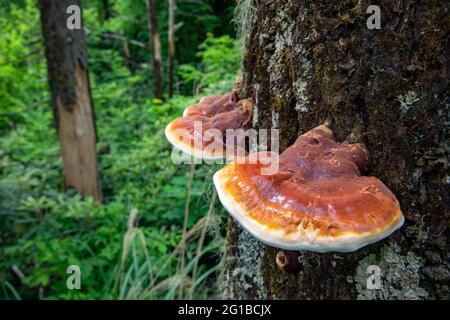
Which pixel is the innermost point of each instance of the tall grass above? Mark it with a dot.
(139, 277)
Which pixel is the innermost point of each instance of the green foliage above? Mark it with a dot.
(45, 230)
(129, 20)
(219, 65)
(129, 246)
(20, 50)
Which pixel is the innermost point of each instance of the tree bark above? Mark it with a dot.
(155, 45)
(309, 61)
(73, 110)
(171, 44)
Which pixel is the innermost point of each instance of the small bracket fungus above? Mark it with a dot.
(202, 131)
(289, 261)
(319, 200)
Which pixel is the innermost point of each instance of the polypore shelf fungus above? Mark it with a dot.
(319, 199)
(202, 131)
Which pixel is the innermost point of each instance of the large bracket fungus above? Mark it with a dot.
(202, 131)
(319, 200)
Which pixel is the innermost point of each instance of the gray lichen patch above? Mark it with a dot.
(246, 278)
(300, 92)
(283, 47)
(256, 106)
(407, 101)
(400, 275)
(278, 59)
(275, 119)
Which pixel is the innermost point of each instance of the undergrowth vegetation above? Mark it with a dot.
(135, 245)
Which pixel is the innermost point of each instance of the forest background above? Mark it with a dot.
(159, 231)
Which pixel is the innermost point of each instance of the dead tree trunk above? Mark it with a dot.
(155, 45)
(308, 61)
(66, 55)
(171, 44)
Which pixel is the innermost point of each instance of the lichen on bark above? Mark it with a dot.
(247, 267)
(401, 275)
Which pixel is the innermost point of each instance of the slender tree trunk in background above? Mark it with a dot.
(308, 61)
(126, 53)
(106, 9)
(66, 55)
(155, 44)
(171, 44)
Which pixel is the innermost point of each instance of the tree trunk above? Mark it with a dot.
(309, 61)
(171, 44)
(105, 10)
(127, 54)
(155, 45)
(66, 55)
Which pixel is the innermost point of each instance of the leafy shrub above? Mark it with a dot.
(20, 53)
(219, 66)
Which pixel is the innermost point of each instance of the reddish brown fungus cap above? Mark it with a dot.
(319, 200)
(212, 105)
(201, 132)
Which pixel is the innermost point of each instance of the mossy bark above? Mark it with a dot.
(310, 61)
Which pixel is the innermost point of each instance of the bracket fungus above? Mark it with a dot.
(289, 261)
(319, 200)
(202, 131)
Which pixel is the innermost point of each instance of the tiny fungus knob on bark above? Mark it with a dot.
(202, 131)
(318, 200)
(289, 261)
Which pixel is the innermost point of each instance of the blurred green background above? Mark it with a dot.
(131, 246)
